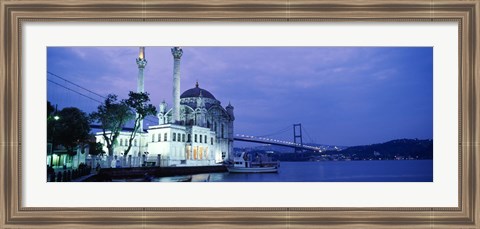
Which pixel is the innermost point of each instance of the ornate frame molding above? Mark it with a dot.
(13, 13)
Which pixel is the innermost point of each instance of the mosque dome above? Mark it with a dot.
(196, 92)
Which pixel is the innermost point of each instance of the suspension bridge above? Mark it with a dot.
(88, 95)
(270, 141)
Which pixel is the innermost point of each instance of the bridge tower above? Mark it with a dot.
(297, 137)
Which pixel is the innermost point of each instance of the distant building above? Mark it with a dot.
(195, 131)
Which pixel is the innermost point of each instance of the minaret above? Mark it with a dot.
(229, 109)
(162, 119)
(177, 54)
(141, 63)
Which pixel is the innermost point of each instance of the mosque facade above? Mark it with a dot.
(196, 131)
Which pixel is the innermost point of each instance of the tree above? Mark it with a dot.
(71, 129)
(137, 103)
(50, 110)
(112, 115)
(50, 122)
(95, 148)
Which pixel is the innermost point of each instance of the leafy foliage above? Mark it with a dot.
(71, 129)
(112, 116)
(50, 122)
(138, 104)
(95, 148)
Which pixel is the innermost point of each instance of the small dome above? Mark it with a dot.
(196, 92)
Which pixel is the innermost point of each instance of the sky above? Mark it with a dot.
(342, 96)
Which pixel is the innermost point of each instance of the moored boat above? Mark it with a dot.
(253, 162)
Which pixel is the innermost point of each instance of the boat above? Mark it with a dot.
(253, 162)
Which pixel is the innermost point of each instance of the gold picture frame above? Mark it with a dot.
(13, 13)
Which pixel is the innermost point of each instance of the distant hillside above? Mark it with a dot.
(400, 149)
(395, 149)
(284, 149)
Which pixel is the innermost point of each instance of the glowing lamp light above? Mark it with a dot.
(141, 55)
(56, 117)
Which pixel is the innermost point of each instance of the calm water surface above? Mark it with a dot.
(329, 171)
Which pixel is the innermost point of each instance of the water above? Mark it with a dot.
(328, 171)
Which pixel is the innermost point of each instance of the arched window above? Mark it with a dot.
(189, 138)
(165, 137)
(153, 137)
(121, 142)
(200, 138)
(195, 137)
(135, 142)
(174, 137)
(159, 137)
(205, 139)
(183, 137)
(211, 141)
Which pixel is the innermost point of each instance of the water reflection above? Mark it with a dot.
(330, 171)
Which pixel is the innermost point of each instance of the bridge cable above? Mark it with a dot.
(275, 133)
(308, 135)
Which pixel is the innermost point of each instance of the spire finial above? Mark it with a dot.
(141, 61)
(141, 54)
(196, 84)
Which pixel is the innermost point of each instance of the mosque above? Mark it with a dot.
(195, 131)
